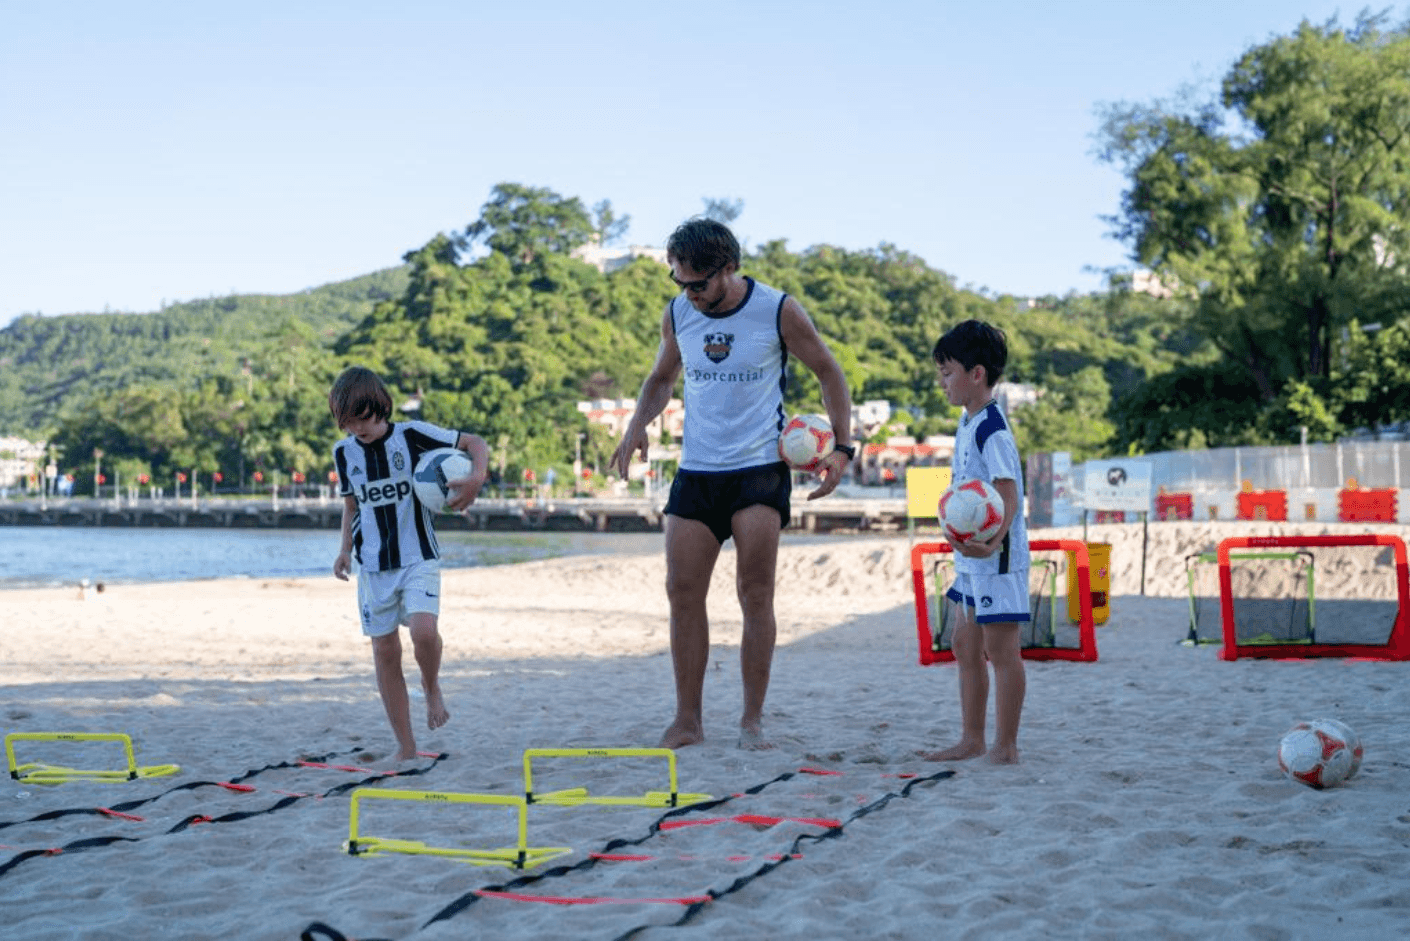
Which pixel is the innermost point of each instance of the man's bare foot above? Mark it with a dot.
(681, 734)
(437, 714)
(1005, 755)
(961, 752)
(403, 754)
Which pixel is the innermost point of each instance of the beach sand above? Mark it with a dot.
(1148, 802)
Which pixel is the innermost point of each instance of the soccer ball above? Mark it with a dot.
(1315, 754)
(971, 510)
(433, 470)
(1348, 735)
(805, 442)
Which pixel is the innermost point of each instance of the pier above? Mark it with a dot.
(569, 514)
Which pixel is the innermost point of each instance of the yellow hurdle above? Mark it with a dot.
(32, 773)
(519, 856)
(576, 796)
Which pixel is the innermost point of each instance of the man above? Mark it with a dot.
(731, 337)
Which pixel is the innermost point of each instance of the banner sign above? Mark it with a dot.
(1118, 485)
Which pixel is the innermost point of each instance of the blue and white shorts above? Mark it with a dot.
(387, 599)
(993, 599)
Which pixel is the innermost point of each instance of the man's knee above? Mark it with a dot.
(387, 647)
(755, 592)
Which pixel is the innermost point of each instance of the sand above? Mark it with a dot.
(1148, 802)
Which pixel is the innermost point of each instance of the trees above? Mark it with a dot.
(721, 209)
(607, 226)
(1283, 207)
(521, 222)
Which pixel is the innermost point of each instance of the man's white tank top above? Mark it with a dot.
(735, 374)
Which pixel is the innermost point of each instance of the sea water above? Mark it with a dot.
(48, 556)
(43, 556)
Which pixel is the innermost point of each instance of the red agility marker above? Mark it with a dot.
(688, 858)
(588, 900)
(116, 813)
(753, 820)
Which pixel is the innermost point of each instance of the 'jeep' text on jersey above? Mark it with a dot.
(391, 528)
(734, 381)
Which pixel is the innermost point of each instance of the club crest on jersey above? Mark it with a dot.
(398, 461)
(717, 346)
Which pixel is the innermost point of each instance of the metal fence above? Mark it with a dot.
(1312, 477)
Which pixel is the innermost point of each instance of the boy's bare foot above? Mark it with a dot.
(751, 738)
(961, 752)
(403, 754)
(1005, 755)
(681, 734)
(437, 714)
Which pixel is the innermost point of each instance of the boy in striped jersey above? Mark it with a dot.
(390, 534)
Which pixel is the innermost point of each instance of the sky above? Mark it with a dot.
(155, 152)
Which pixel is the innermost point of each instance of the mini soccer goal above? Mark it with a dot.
(1048, 635)
(1302, 596)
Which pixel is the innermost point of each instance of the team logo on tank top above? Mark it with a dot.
(717, 346)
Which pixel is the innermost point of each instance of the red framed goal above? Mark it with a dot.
(1396, 646)
(1086, 647)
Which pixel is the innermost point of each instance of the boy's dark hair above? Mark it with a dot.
(975, 343)
(703, 244)
(359, 393)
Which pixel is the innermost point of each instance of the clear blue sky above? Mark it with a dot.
(156, 151)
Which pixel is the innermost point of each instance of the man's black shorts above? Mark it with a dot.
(714, 497)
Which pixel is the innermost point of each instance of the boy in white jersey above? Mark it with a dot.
(390, 533)
(990, 594)
(731, 338)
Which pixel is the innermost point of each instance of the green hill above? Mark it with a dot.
(47, 363)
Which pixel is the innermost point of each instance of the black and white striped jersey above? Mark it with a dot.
(391, 528)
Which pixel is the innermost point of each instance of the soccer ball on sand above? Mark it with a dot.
(806, 440)
(433, 471)
(1319, 753)
(971, 510)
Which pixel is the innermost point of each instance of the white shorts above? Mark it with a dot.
(387, 599)
(994, 599)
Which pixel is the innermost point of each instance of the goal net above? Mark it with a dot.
(1301, 596)
(1047, 635)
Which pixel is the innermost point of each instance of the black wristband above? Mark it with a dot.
(847, 449)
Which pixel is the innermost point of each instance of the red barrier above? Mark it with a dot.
(1174, 506)
(1367, 506)
(1263, 505)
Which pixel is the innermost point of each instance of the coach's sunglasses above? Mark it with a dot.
(696, 286)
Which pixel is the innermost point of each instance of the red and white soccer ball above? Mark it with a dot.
(971, 510)
(1320, 753)
(806, 440)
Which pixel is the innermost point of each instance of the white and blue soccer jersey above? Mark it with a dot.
(391, 528)
(985, 450)
(734, 381)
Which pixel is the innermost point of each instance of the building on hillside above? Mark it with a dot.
(1148, 282)
(607, 259)
(21, 462)
(885, 464)
(616, 414)
(1015, 395)
(869, 417)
